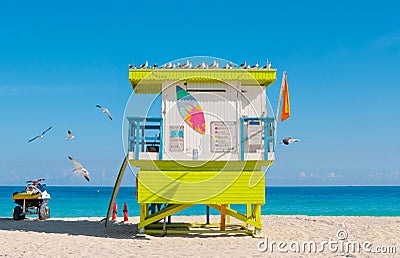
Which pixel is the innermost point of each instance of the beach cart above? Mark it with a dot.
(32, 200)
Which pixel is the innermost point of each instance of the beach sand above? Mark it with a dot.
(87, 237)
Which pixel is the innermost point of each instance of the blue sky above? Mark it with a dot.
(59, 59)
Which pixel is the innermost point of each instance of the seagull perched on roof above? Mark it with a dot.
(155, 66)
(131, 66)
(105, 110)
(255, 66)
(201, 66)
(41, 135)
(288, 140)
(213, 65)
(70, 136)
(79, 168)
(186, 65)
(244, 65)
(145, 65)
(267, 66)
(229, 65)
(167, 66)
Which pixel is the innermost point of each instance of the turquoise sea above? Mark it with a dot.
(74, 201)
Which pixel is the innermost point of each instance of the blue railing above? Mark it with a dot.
(138, 135)
(140, 128)
(268, 137)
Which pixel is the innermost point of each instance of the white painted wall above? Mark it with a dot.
(229, 105)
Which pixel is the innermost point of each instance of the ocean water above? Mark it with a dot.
(74, 201)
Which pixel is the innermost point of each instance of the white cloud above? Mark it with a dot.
(303, 174)
(104, 175)
(384, 42)
(395, 175)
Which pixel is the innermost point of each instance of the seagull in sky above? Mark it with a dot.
(288, 140)
(70, 136)
(41, 135)
(79, 168)
(105, 110)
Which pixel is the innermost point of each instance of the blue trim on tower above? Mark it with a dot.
(242, 139)
(137, 139)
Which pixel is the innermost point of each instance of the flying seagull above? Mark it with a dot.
(105, 110)
(70, 136)
(80, 168)
(41, 135)
(288, 140)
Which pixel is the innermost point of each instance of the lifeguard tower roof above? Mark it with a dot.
(150, 80)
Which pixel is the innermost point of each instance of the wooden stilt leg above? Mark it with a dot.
(228, 218)
(248, 214)
(143, 215)
(223, 216)
(257, 218)
(207, 215)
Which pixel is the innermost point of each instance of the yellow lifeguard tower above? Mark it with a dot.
(208, 146)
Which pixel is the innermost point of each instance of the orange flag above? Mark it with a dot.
(286, 103)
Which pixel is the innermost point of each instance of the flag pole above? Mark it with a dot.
(279, 105)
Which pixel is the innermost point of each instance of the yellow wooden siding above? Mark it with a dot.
(150, 80)
(201, 187)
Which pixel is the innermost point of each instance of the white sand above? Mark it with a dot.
(87, 237)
